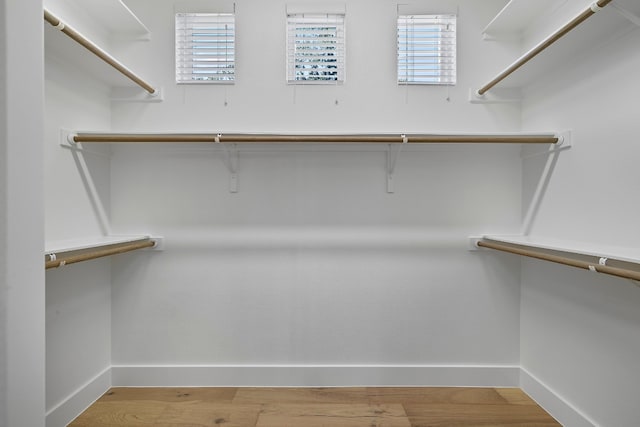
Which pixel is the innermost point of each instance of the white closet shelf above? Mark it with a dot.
(626, 254)
(392, 143)
(73, 138)
(116, 17)
(515, 17)
(65, 44)
(71, 245)
(60, 253)
(623, 262)
(560, 46)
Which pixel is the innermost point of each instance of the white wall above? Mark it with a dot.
(579, 331)
(77, 195)
(3, 226)
(261, 101)
(78, 318)
(22, 331)
(77, 184)
(77, 203)
(312, 262)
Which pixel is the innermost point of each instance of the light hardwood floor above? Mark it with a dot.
(314, 407)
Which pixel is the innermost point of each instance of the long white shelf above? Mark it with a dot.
(116, 16)
(113, 16)
(59, 246)
(70, 252)
(626, 254)
(65, 44)
(584, 39)
(515, 18)
(317, 138)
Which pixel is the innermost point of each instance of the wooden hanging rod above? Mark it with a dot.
(544, 44)
(618, 272)
(306, 138)
(113, 249)
(96, 50)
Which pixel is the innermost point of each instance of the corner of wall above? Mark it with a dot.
(67, 410)
(559, 408)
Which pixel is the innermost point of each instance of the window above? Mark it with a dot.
(427, 49)
(315, 48)
(205, 48)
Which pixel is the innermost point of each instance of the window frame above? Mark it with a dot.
(332, 19)
(411, 51)
(180, 61)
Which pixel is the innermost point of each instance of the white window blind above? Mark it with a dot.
(427, 49)
(205, 48)
(315, 48)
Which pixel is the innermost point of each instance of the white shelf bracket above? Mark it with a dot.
(79, 154)
(136, 94)
(501, 36)
(392, 157)
(564, 143)
(66, 141)
(626, 13)
(496, 96)
(231, 162)
(473, 243)
(488, 37)
(159, 246)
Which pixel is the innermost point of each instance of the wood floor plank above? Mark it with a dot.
(171, 394)
(121, 413)
(515, 396)
(498, 415)
(124, 406)
(333, 415)
(302, 395)
(314, 407)
(404, 395)
(207, 414)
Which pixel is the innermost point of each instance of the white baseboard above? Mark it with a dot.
(315, 375)
(67, 410)
(565, 413)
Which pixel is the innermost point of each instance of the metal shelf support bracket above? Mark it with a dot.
(392, 157)
(231, 162)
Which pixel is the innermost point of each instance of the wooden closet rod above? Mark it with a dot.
(618, 272)
(346, 138)
(544, 44)
(96, 50)
(115, 249)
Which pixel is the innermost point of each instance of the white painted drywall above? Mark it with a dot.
(78, 328)
(79, 17)
(261, 101)
(77, 194)
(4, 289)
(77, 184)
(22, 330)
(579, 331)
(313, 262)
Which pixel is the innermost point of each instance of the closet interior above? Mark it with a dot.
(266, 233)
